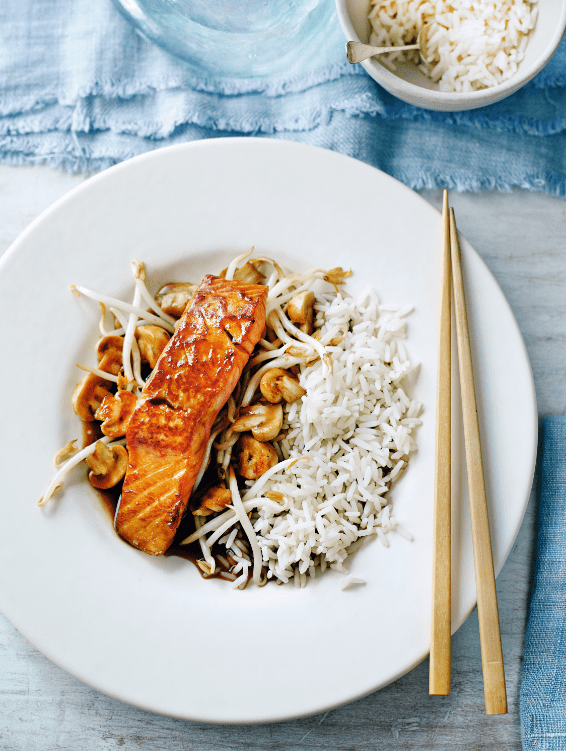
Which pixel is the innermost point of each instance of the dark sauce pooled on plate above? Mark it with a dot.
(111, 497)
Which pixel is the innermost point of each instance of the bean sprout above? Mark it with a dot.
(228, 440)
(103, 331)
(206, 457)
(326, 361)
(121, 305)
(278, 271)
(139, 276)
(233, 267)
(99, 373)
(121, 331)
(129, 335)
(72, 462)
(213, 524)
(66, 451)
(206, 554)
(272, 280)
(294, 280)
(228, 454)
(221, 530)
(135, 352)
(276, 325)
(267, 345)
(232, 409)
(304, 281)
(246, 526)
(136, 357)
(268, 356)
(278, 302)
(339, 329)
(260, 482)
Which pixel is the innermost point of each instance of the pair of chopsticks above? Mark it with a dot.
(490, 635)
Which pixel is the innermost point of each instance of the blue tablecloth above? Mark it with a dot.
(81, 90)
(543, 687)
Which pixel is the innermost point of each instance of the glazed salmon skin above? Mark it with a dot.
(172, 421)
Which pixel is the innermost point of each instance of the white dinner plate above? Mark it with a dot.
(150, 631)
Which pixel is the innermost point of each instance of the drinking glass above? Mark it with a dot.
(231, 38)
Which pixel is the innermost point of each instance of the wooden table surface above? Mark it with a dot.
(520, 235)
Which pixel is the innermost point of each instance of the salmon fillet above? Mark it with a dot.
(172, 421)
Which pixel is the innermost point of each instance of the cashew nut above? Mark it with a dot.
(89, 395)
(116, 411)
(111, 361)
(173, 298)
(264, 420)
(301, 310)
(215, 499)
(108, 465)
(299, 351)
(110, 343)
(151, 340)
(90, 392)
(250, 272)
(255, 458)
(277, 384)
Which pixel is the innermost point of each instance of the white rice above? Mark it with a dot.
(351, 581)
(473, 44)
(356, 427)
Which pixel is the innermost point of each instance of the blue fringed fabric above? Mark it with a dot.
(543, 687)
(80, 89)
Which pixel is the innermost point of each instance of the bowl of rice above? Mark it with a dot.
(477, 53)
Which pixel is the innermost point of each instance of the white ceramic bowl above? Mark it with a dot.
(410, 85)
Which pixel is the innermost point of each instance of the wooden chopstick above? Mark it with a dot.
(490, 635)
(440, 652)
